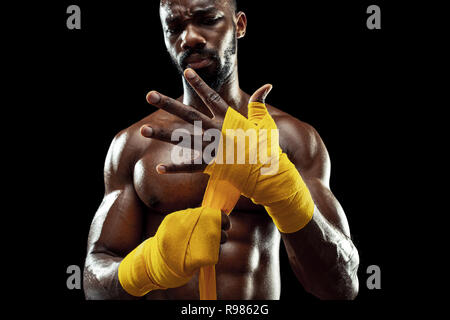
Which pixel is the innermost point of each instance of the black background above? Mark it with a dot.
(327, 69)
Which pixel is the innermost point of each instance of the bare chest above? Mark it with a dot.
(167, 193)
(251, 252)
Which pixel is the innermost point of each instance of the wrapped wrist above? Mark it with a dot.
(292, 214)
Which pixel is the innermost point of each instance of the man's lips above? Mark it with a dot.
(200, 64)
(197, 62)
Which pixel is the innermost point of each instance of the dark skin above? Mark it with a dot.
(139, 193)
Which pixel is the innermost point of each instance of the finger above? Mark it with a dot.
(260, 95)
(181, 168)
(225, 226)
(162, 134)
(226, 222)
(223, 237)
(187, 113)
(210, 97)
(165, 135)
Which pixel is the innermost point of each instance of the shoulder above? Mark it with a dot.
(303, 145)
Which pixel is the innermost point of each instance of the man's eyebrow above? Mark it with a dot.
(172, 19)
(204, 11)
(195, 12)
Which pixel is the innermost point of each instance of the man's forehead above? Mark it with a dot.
(174, 8)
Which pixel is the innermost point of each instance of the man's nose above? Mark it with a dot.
(191, 38)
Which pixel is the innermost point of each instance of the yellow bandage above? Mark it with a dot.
(185, 241)
(267, 177)
(219, 194)
(282, 191)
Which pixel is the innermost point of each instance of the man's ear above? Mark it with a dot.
(241, 24)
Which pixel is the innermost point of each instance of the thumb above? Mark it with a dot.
(257, 108)
(261, 94)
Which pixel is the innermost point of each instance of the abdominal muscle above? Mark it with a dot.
(248, 265)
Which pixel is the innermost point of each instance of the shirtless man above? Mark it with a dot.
(139, 193)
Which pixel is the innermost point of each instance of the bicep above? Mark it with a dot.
(117, 225)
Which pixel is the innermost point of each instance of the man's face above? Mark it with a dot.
(201, 34)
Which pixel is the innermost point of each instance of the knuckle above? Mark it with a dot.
(157, 131)
(165, 135)
(165, 102)
(213, 97)
(174, 168)
(192, 116)
(161, 134)
(223, 237)
(198, 83)
(226, 223)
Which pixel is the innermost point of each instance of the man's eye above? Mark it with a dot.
(174, 30)
(210, 21)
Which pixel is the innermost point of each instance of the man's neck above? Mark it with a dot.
(229, 92)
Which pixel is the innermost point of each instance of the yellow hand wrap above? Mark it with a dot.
(185, 241)
(252, 161)
(282, 191)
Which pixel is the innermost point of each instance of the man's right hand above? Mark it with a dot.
(185, 241)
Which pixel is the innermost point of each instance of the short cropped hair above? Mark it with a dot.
(233, 4)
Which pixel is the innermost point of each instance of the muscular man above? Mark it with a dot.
(143, 186)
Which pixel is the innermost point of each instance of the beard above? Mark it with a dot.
(216, 77)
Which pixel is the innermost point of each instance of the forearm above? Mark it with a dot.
(101, 280)
(324, 259)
